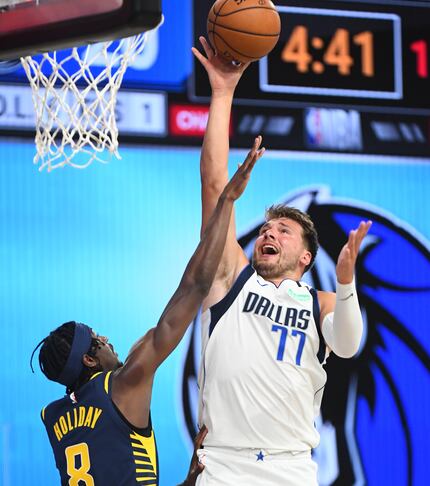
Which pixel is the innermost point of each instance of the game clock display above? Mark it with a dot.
(335, 52)
(341, 52)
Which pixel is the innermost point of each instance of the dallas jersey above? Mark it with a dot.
(94, 445)
(262, 375)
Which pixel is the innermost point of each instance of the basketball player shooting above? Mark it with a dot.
(266, 334)
(101, 431)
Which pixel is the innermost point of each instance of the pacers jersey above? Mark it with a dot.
(93, 443)
(262, 379)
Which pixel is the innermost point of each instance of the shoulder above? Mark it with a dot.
(223, 289)
(138, 368)
(326, 297)
(100, 380)
(53, 407)
(56, 403)
(327, 302)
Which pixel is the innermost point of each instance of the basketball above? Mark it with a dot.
(243, 30)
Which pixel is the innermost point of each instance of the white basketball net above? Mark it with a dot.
(75, 113)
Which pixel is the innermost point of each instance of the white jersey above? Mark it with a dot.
(262, 379)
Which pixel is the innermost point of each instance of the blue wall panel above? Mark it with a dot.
(108, 245)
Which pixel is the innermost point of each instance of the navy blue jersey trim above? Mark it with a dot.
(316, 312)
(221, 307)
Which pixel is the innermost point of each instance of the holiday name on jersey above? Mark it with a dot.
(78, 417)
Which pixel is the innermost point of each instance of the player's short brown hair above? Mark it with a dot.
(309, 233)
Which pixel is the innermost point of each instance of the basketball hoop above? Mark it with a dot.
(75, 111)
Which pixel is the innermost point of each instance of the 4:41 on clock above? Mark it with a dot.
(337, 53)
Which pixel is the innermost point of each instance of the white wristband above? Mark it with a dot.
(345, 291)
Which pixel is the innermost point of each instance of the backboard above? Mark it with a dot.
(28, 27)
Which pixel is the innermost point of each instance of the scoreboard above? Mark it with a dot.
(343, 53)
(345, 76)
(336, 53)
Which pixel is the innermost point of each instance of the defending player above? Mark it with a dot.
(101, 431)
(266, 335)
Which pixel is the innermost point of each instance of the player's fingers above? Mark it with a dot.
(257, 144)
(206, 47)
(361, 233)
(260, 152)
(200, 436)
(251, 163)
(249, 156)
(199, 56)
(364, 228)
(361, 228)
(253, 150)
(252, 159)
(347, 254)
(351, 241)
(196, 471)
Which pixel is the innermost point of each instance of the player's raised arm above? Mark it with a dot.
(159, 342)
(342, 323)
(223, 78)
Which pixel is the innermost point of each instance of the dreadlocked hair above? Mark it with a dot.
(309, 232)
(56, 349)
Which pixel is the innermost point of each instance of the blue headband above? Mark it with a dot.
(74, 366)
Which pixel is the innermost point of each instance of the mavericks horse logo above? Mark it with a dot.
(375, 406)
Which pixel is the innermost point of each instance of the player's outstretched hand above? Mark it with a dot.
(348, 255)
(196, 467)
(236, 185)
(223, 75)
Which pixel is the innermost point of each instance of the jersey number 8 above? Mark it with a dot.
(80, 473)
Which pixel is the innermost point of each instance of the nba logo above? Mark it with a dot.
(333, 129)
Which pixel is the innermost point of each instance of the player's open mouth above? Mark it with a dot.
(269, 250)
